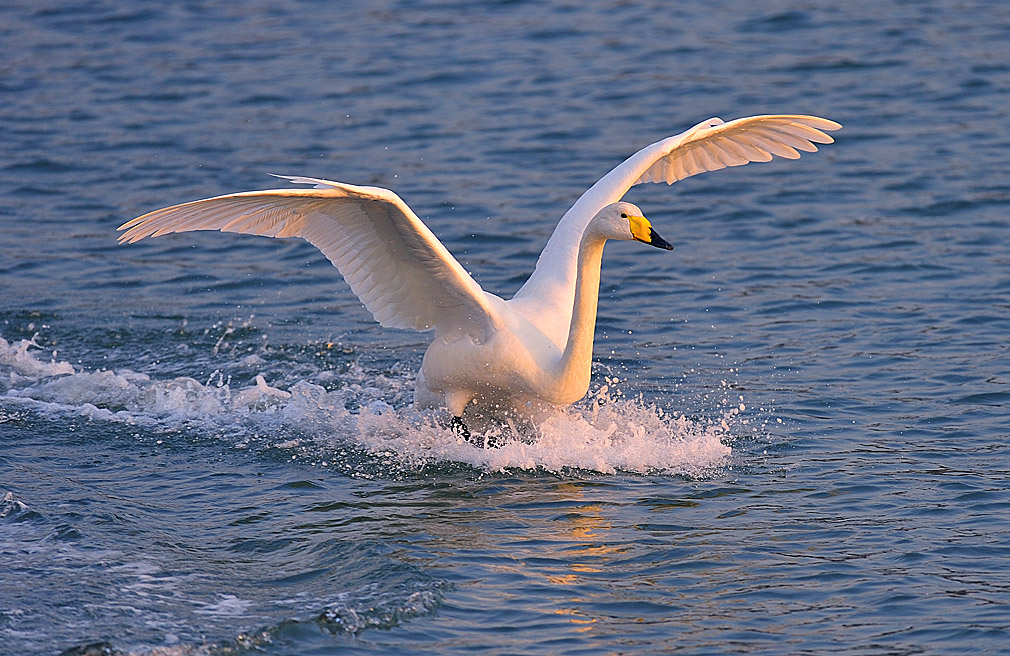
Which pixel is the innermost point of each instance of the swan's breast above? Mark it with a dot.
(516, 360)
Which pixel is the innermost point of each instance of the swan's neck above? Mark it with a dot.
(576, 362)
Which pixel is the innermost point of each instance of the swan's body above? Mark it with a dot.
(508, 354)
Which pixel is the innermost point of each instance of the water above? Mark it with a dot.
(206, 446)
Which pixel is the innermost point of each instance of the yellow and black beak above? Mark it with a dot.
(642, 231)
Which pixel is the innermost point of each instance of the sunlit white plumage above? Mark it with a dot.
(536, 346)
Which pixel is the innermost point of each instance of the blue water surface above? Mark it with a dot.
(206, 444)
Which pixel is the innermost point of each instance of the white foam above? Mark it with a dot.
(11, 507)
(622, 435)
(20, 363)
(369, 411)
(227, 605)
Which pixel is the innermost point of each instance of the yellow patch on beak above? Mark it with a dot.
(641, 229)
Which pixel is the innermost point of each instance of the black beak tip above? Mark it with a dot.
(658, 242)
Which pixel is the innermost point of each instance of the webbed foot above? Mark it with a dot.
(481, 441)
(457, 426)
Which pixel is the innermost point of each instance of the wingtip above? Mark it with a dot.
(818, 122)
(129, 224)
(130, 227)
(126, 238)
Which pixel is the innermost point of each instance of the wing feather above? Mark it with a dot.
(401, 272)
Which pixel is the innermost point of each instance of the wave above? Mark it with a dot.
(359, 409)
(373, 606)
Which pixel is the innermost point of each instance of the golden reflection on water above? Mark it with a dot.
(587, 554)
(575, 616)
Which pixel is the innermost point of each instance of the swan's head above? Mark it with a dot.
(625, 221)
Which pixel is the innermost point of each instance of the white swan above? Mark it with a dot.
(507, 354)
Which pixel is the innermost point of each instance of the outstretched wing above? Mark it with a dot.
(401, 272)
(708, 146)
(713, 145)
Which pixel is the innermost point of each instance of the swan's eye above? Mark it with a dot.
(623, 215)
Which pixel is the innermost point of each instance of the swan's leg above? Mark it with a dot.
(456, 402)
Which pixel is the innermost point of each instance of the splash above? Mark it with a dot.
(19, 364)
(615, 435)
(367, 411)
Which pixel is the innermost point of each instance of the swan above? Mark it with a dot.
(536, 347)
